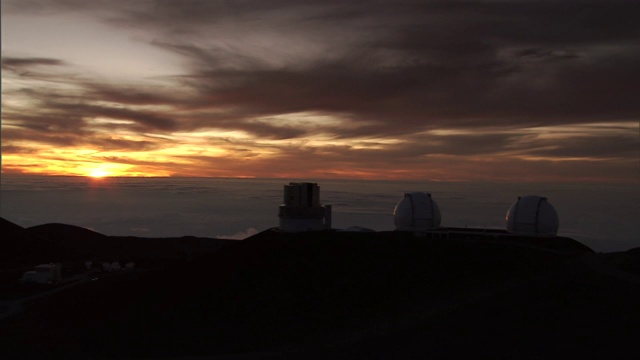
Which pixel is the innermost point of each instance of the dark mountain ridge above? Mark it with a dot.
(333, 294)
(58, 243)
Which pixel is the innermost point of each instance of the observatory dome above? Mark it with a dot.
(416, 211)
(532, 215)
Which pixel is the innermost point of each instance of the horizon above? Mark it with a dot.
(285, 179)
(598, 215)
(437, 91)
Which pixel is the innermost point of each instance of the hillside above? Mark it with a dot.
(341, 294)
(26, 247)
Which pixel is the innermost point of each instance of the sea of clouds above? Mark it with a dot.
(603, 217)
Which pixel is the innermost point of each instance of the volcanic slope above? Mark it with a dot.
(331, 293)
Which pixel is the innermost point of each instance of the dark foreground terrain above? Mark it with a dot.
(327, 294)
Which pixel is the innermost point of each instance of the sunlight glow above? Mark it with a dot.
(98, 173)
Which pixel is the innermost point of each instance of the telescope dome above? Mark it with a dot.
(416, 211)
(532, 215)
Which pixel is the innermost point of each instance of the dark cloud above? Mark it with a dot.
(75, 118)
(63, 109)
(132, 95)
(85, 138)
(14, 149)
(491, 71)
(13, 63)
(594, 146)
(428, 64)
(116, 144)
(146, 120)
(56, 139)
(444, 65)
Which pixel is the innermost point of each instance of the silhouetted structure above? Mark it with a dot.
(416, 211)
(301, 210)
(532, 215)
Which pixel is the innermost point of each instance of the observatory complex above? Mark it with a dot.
(417, 212)
(531, 215)
(301, 209)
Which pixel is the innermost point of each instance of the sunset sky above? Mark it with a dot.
(503, 91)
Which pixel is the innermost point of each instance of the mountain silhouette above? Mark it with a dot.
(330, 294)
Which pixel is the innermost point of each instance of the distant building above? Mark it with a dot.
(43, 274)
(111, 266)
(301, 210)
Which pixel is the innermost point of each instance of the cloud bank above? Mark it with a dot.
(518, 91)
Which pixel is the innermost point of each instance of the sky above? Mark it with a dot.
(511, 91)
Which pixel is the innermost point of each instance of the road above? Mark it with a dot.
(13, 307)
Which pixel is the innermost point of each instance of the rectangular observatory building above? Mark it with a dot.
(301, 210)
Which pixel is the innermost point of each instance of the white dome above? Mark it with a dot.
(416, 211)
(533, 215)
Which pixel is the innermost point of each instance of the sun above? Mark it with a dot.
(98, 173)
